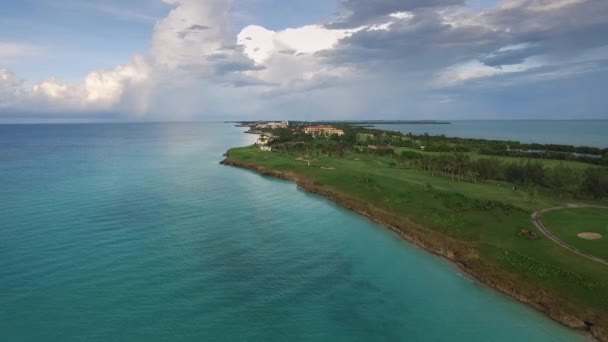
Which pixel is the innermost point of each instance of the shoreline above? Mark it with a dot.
(456, 252)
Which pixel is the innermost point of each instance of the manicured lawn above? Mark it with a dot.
(486, 216)
(568, 223)
(576, 165)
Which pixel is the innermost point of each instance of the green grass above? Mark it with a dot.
(567, 223)
(486, 216)
(550, 163)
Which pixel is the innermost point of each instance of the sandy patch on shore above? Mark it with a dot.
(306, 160)
(589, 236)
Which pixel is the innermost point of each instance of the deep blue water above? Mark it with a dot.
(133, 232)
(567, 132)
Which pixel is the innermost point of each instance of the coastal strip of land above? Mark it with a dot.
(462, 254)
(469, 201)
(368, 123)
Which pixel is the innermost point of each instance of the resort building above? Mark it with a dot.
(262, 143)
(323, 131)
(273, 125)
(262, 140)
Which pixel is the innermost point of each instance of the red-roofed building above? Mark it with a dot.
(323, 130)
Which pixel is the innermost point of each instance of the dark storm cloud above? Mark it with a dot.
(431, 40)
(431, 55)
(193, 30)
(231, 60)
(424, 42)
(198, 27)
(511, 96)
(232, 65)
(580, 24)
(361, 12)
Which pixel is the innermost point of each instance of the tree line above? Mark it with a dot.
(562, 180)
(456, 164)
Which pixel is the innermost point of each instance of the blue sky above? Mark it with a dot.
(77, 36)
(281, 14)
(82, 35)
(196, 60)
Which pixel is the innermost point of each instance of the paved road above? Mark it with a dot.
(537, 222)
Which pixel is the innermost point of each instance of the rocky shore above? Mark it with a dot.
(462, 254)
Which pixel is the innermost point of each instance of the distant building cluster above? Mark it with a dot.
(262, 143)
(323, 131)
(272, 125)
(265, 141)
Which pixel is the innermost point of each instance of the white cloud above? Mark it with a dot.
(458, 74)
(51, 89)
(191, 31)
(288, 56)
(401, 15)
(260, 43)
(473, 70)
(101, 90)
(197, 65)
(107, 87)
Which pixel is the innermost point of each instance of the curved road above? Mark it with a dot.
(537, 222)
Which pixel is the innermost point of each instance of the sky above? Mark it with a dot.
(197, 60)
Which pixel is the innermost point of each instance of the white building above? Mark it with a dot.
(262, 140)
(274, 125)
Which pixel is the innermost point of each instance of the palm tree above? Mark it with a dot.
(461, 161)
(532, 194)
(473, 174)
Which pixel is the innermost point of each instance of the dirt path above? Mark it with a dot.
(538, 223)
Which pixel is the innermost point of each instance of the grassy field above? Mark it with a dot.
(488, 217)
(567, 223)
(576, 165)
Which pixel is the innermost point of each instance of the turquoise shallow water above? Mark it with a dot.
(567, 132)
(135, 233)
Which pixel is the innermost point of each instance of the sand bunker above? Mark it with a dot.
(590, 236)
(327, 168)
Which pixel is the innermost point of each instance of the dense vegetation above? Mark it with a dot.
(467, 199)
(560, 170)
(492, 221)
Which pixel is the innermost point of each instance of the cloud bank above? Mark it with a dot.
(375, 59)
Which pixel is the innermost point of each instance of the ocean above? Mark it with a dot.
(566, 132)
(134, 232)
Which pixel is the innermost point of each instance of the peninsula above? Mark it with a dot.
(481, 204)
